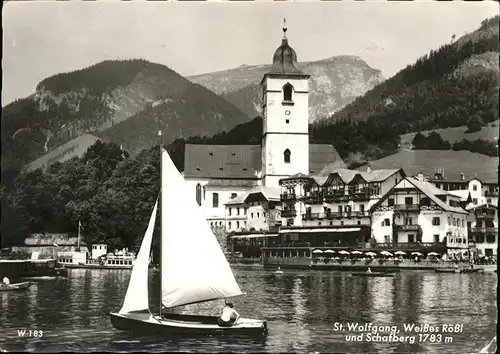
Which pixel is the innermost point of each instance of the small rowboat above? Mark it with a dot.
(17, 286)
(375, 274)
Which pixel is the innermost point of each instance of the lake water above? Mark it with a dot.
(302, 309)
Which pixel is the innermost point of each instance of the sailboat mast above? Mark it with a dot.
(161, 214)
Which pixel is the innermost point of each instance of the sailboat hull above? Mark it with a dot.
(178, 324)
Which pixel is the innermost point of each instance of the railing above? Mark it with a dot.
(407, 227)
(288, 196)
(335, 195)
(361, 196)
(491, 194)
(481, 215)
(483, 230)
(409, 245)
(313, 198)
(407, 207)
(288, 213)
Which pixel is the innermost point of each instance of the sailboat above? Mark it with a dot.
(193, 268)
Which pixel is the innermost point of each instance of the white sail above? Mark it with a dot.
(137, 295)
(193, 266)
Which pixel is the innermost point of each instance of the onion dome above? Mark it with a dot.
(285, 58)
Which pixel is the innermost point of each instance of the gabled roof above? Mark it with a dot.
(269, 193)
(381, 175)
(222, 161)
(489, 205)
(245, 161)
(426, 188)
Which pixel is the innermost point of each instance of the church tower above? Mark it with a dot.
(285, 117)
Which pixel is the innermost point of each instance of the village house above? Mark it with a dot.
(415, 214)
(483, 229)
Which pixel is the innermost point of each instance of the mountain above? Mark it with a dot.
(101, 99)
(454, 163)
(449, 87)
(334, 82)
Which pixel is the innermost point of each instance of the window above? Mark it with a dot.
(387, 239)
(198, 194)
(245, 211)
(237, 224)
(215, 200)
(411, 238)
(390, 202)
(474, 187)
(362, 209)
(408, 201)
(408, 221)
(340, 209)
(237, 211)
(386, 222)
(436, 238)
(258, 215)
(359, 222)
(419, 238)
(230, 210)
(251, 215)
(286, 156)
(287, 121)
(264, 214)
(463, 222)
(229, 225)
(436, 221)
(233, 195)
(341, 223)
(474, 201)
(287, 92)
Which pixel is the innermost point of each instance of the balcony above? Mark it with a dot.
(288, 197)
(313, 216)
(407, 227)
(491, 194)
(408, 245)
(483, 215)
(335, 195)
(407, 207)
(483, 230)
(359, 196)
(313, 198)
(289, 213)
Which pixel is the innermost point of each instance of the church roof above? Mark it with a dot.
(285, 59)
(244, 161)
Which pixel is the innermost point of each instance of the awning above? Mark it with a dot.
(253, 236)
(302, 231)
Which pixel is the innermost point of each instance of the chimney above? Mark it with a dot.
(368, 169)
(420, 177)
(462, 177)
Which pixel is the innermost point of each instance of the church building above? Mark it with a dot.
(220, 173)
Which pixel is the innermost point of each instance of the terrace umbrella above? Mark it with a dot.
(385, 253)
(356, 252)
(371, 254)
(329, 251)
(400, 253)
(417, 253)
(317, 251)
(343, 252)
(433, 254)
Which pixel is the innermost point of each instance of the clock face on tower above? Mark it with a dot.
(287, 112)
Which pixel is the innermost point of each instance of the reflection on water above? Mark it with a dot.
(301, 307)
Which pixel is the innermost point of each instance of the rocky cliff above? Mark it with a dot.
(334, 82)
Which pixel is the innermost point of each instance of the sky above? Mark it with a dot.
(49, 37)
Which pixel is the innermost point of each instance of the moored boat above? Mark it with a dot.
(204, 276)
(15, 286)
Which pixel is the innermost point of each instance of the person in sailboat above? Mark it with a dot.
(5, 281)
(229, 316)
